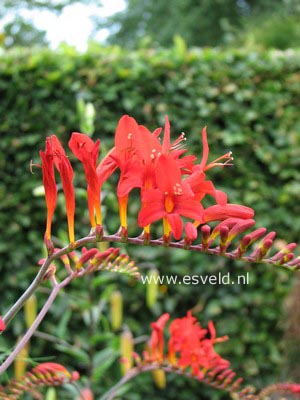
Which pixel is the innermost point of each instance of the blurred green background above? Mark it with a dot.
(246, 89)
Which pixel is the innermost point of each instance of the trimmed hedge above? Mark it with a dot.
(250, 103)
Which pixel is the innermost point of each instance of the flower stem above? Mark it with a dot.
(9, 360)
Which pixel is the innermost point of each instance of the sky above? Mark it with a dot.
(74, 25)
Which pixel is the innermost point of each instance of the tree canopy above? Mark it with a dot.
(199, 23)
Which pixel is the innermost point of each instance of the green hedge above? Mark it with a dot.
(250, 103)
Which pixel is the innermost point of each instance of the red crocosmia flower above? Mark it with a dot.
(65, 170)
(189, 343)
(87, 152)
(157, 337)
(49, 185)
(170, 200)
(222, 212)
(123, 157)
(2, 325)
(183, 330)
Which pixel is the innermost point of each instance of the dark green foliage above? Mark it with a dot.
(250, 103)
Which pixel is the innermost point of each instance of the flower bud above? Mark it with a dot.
(152, 287)
(86, 256)
(116, 310)
(126, 352)
(191, 234)
(205, 233)
(20, 362)
(2, 325)
(30, 309)
(159, 378)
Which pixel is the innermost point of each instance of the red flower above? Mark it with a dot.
(87, 152)
(123, 156)
(170, 200)
(65, 170)
(2, 325)
(188, 340)
(49, 185)
(189, 345)
(157, 337)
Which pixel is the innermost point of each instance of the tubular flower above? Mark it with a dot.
(170, 200)
(49, 185)
(123, 157)
(157, 337)
(65, 170)
(87, 152)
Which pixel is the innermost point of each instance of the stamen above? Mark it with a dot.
(33, 165)
(177, 145)
(216, 162)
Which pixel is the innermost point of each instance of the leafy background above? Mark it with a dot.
(249, 101)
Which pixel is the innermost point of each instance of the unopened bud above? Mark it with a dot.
(159, 378)
(191, 234)
(126, 352)
(240, 227)
(86, 256)
(2, 325)
(152, 287)
(288, 249)
(30, 309)
(262, 250)
(224, 243)
(20, 362)
(205, 234)
(116, 310)
(248, 239)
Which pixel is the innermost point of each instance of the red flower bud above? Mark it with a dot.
(2, 325)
